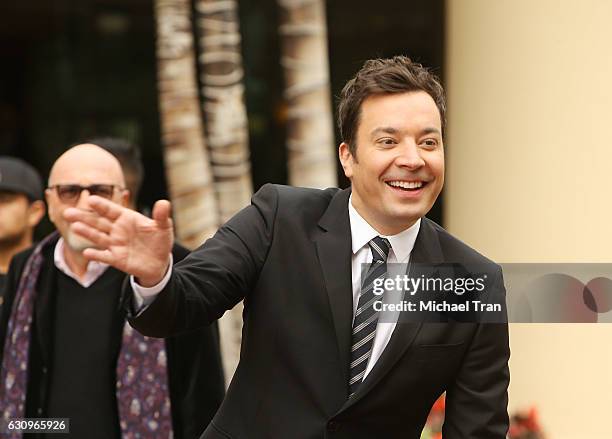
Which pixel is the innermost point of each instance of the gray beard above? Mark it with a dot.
(77, 243)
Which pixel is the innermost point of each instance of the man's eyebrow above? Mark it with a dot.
(392, 130)
(384, 130)
(432, 130)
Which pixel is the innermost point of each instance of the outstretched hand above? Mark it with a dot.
(126, 239)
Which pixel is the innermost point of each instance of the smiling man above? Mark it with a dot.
(398, 171)
(315, 361)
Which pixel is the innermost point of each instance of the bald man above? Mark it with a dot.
(68, 352)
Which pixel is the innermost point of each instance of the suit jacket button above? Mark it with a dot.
(44, 370)
(333, 426)
(39, 411)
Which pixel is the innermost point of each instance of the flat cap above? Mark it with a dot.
(18, 176)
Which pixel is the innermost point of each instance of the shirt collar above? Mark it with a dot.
(402, 243)
(94, 269)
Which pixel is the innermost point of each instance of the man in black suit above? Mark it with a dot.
(315, 362)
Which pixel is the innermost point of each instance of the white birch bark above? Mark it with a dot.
(226, 133)
(190, 181)
(311, 149)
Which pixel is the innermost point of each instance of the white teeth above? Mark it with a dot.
(406, 184)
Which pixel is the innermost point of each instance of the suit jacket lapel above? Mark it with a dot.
(426, 250)
(333, 245)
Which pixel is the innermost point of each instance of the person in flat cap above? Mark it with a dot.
(21, 209)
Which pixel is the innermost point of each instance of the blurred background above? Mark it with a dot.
(225, 96)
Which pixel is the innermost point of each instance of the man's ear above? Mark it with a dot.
(50, 209)
(36, 211)
(126, 198)
(346, 159)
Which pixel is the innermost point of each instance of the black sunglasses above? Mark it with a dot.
(70, 193)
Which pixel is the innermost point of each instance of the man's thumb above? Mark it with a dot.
(161, 213)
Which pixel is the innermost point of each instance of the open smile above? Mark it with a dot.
(407, 186)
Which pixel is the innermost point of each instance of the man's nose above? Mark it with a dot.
(409, 156)
(82, 201)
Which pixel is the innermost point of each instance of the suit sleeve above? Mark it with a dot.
(214, 277)
(477, 402)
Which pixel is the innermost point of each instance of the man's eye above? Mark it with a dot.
(430, 143)
(387, 141)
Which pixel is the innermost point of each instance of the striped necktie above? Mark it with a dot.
(366, 319)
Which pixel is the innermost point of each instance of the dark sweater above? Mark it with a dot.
(82, 385)
(194, 363)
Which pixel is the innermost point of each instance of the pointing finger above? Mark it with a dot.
(105, 208)
(99, 239)
(104, 256)
(92, 219)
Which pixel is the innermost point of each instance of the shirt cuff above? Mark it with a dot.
(144, 296)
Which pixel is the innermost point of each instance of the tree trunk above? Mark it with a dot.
(226, 132)
(311, 149)
(223, 91)
(190, 181)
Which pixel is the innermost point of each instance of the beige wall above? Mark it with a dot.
(529, 177)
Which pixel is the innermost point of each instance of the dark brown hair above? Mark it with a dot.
(384, 76)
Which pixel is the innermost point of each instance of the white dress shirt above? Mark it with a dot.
(401, 247)
(92, 274)
(361, 234)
